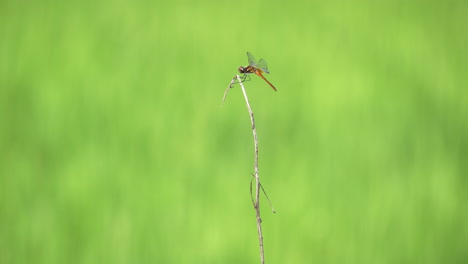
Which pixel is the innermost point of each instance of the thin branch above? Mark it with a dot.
(257, 178)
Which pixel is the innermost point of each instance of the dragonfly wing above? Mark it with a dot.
(262, 65)
(252, 60)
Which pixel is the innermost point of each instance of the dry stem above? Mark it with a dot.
(256, 202)
(257, 178)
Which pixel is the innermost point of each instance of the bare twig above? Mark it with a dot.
(256, 201)
(257, 178)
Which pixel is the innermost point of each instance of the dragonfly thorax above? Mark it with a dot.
(247, 69)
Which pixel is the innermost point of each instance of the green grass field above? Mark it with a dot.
(115, 147)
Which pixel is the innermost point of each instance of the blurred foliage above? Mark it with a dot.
(114, 147)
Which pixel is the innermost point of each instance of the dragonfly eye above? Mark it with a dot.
(242, 69)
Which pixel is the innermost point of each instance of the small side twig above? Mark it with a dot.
(228, 88)
(264, 192)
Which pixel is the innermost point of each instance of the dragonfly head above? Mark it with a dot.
(242, 69)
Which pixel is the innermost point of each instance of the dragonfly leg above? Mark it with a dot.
(244, 78)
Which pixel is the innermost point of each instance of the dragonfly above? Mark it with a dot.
(257, 68)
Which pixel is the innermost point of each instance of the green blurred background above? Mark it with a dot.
(115, 147)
